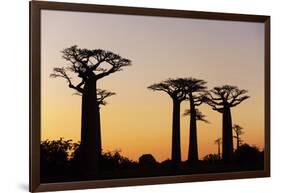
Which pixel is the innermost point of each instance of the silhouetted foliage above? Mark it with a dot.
(55, 156)
(109, 161)
(247, 154)
(211, 158)
(166, 163)
(90, 66)
(102, 95)
(58, 163)
(173, 87)
(114, 160)
(61, 159)
(199, 115)
(222, 99)
(147, 161)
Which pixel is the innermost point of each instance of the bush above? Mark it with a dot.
(114, 160)
(247, 154)
(147, 161)
(55, 156)
(211, 158)
(166, 163)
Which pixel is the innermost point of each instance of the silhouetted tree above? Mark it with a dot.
(218, 142)
(90, 66)
(175, 89)
(238, 131)
(194, 88)
(222, 99)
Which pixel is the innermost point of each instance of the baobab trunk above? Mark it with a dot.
(193, 147)
(90, 137)
(176, 149)
(227, 140)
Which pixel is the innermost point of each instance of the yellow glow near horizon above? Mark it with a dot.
(137, 120)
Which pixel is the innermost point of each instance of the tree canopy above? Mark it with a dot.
(226, 95)
(88, 65)
(199, 115)
(173, 87)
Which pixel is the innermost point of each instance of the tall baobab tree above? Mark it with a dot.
(174, 88)
(194, 89)
(238, 131)
(89, 66)
(222, 99)
(199, 117)
(218, 142)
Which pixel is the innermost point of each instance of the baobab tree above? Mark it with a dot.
(194, 89)
(218, 142)
(199, 117)
(238, 131)
(222, 99)
(89, 66)
(175, 89)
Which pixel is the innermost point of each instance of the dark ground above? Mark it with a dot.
(56, 168)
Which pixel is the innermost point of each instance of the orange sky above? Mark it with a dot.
(137, 120)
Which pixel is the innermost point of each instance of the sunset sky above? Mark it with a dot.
(137, 120)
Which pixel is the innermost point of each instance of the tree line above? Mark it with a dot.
(90, 66)
(221, 99)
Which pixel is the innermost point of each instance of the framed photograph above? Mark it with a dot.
(123, 96)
